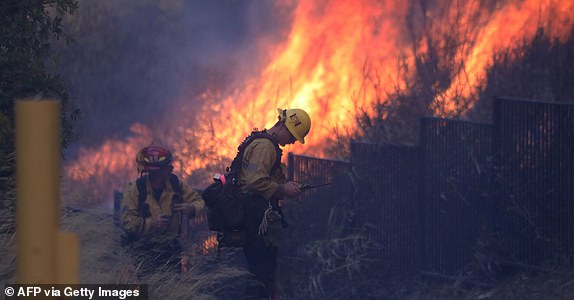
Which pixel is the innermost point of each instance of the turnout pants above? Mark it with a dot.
(261, 258)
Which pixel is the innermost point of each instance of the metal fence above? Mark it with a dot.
(453, 190)
(464, 188)
(467, 189)
(387, 203)
(315, 217)
(316, 211)
(534, 149)
(426, 203)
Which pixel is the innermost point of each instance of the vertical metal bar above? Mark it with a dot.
(422, 194)
(290, 166)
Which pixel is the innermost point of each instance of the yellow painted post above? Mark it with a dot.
(45, 254)
(37, 188)
(68, 258)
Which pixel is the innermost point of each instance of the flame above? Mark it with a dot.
(504, 27)
(209, 244)
(339, 57)
(318, 69)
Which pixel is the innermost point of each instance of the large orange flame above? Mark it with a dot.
(500, 29)
(320, 68)
(339, 56)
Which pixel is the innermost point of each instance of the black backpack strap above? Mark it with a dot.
(142, 190)
(142, 195)
(177, 197)
(176, 186)
(237, 161)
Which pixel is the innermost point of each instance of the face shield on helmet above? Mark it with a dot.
(153, 158)
(297, 122)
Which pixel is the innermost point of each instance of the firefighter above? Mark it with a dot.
(152, 208)
(263, 185)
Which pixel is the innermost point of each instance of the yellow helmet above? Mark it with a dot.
(297, 121)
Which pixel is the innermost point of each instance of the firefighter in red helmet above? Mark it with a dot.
(152, 208)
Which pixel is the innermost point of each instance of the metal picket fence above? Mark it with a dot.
(534, 150)
(387, 201)
(426, 202)
(453, 190)
(315, 217)
(316, 210)
(468, 190)
(436, 205)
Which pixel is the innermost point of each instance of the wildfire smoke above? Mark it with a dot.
(339, 57)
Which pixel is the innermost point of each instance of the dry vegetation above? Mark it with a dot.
(7, 253)
(558, 284)
(342, 267)
(104, 261)
(539, 68)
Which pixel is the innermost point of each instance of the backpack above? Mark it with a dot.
(224, 207)
(143, 207)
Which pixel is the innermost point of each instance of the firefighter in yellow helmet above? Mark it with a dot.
(152, 208)
(263, 185)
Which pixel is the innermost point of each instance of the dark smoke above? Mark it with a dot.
(134, 61)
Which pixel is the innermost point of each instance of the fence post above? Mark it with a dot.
(422, 192)
(44, 253)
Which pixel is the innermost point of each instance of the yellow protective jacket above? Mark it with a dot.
(255, 178)
(138, 226)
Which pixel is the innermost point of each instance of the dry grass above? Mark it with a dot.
(558, 284)
(7, 253)
(7, 227)
(104, 261)
(337, 269)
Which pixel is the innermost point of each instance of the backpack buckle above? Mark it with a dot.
(220, 177)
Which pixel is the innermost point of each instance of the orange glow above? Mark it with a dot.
(209, 244)
(339, 56)
(319, 69)
(501, 29)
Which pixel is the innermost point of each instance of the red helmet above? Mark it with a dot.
(153, 158)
